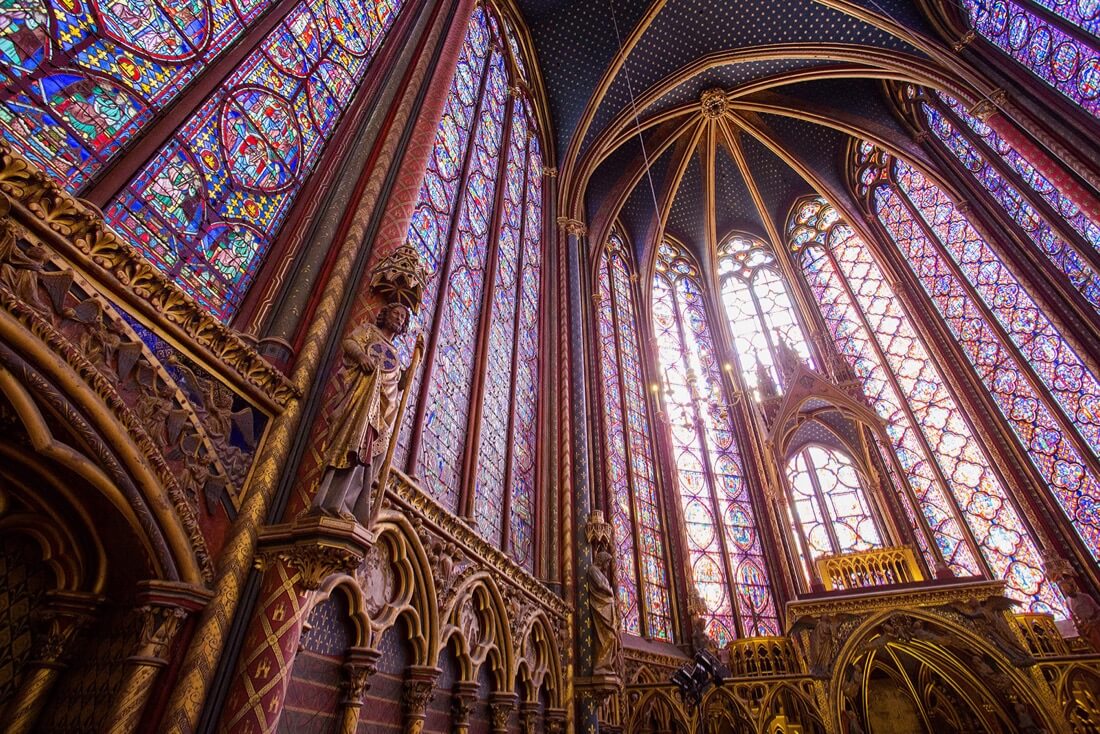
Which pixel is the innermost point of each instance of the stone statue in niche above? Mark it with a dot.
(605, 617)
(369, 386)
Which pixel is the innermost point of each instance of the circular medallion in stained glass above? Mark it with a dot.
(346, 20)
(261, 138)
(169, 31)
(1064, 61)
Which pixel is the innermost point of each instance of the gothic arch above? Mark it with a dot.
(937, 643)
(477, 622)
(397, 581)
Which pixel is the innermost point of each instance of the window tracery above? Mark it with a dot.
(760, 312)
(630, 455)
(726, 555)
(1063, 59)
(829, 502)
(959, 498)
(1038, 381)
(478, 226)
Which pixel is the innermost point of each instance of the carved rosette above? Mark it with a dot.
(713, 103)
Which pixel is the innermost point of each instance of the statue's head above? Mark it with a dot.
(603, 559)
(394, 318)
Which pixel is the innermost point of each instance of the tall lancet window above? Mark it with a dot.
(478, 225)
(727, 558)
(1057, 41)
(954, 496)
(1057, 228)
(761, 316)
(630, 467)
(1044, 390)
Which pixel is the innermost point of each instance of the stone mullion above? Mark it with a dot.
(1023, 365)
(468, 490)
(1029, 265)
(748, 434)
(678, 554)
(918, 433)
(65, 615)
(639, 573)
(708, 464)
(517, 312)
(427, 367)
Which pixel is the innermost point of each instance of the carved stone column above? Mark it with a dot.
(163, 606)
(360, 665)
(529, 717)
(555, 721)
(296, 557)
(501, 706)
(419, 687)
(462, 706)
(65, 614)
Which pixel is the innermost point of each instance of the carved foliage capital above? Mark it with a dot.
(573, 227)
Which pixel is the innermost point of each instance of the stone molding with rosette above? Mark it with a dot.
(77, 232)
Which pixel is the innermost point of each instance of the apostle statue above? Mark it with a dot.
(369, 386)
(605, 616)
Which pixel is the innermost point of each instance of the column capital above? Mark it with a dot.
(501, 705)
(65, 614)
(419, 687)
(360, 664)
(315, 546)
(989, 105)
(463, 700)
(574, 227)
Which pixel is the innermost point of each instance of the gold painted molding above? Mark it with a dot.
(81, 236)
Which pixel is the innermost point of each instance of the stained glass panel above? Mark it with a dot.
(933, 442)
(630, 464)
(1051, 359)
(526, 403)
(448, 394)
(1062, 61)
(82, 79)
(1043, 235)
(209, 203)
(727, 560)
(830, 504)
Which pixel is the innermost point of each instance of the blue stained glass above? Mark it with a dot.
(88, 76)
(237, 164)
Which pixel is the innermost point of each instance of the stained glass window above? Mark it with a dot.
(1061, 59)
(953, 126)
(630, 467)
(1044, 390)
(829, 503)
(478, 226)
(209, 203)
(81, 79)
(761, 316)
(727, 559)
(951, 484)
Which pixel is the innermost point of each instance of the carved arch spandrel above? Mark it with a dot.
(477, 623)
(396, 580)
(539, 661)
(117, 470)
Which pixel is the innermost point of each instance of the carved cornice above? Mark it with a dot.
(79, 234)
(879, 600)
(402, 491)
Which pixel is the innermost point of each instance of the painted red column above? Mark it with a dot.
(406, 189)
(296, 558)
(1050, 169)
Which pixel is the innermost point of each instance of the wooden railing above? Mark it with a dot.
(763, 656)
(876, 567)
(1040, 635)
